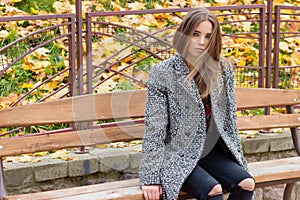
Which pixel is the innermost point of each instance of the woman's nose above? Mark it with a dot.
(201, 40)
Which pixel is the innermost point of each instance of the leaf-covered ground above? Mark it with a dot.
(53, 58)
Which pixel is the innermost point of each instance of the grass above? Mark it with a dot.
(31, 5)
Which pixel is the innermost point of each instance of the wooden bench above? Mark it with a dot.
(131, 104)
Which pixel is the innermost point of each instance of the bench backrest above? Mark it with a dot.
(126, 105)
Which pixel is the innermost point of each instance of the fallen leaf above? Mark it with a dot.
(4, 34)
(139, 150)
(43, 153)
(102, 146)
(25, 159)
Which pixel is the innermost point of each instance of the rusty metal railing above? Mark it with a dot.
(29, 49)
(287, 27)
(24, 48)
(157, 44)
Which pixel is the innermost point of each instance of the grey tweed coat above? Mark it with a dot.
(175, 132)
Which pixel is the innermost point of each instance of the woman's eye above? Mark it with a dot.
(196, 34)
(207, 36)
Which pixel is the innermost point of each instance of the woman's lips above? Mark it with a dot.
(200, 50)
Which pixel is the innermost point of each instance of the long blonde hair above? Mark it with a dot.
(205, 68)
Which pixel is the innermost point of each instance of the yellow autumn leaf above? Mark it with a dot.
(277, 130)
(102, 146)
(135, 142)
(116, 7)
(11, 159)
(62, 46)
(277, 2)
(41, 53)
(251, 132)
(139, 150)
(239, 114)
(221, 2)
(13, 11)
(284, 46)
(43, 153)
(62, 7)
(40, 65)
(149, 20)
(25, 158)
(27, 85)
(34, 11)
(119, 145)
(53, 85)
(106, 86)
(136, 6)
(36, 160)
(60, 154)
(4, 34)
(242, 63)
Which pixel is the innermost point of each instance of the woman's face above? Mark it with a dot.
(200, 38)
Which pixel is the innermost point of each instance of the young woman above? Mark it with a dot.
(191, 142)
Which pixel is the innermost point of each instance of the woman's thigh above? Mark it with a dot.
(199, 183)
(227, 172)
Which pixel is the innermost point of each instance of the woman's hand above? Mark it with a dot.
(152, 192)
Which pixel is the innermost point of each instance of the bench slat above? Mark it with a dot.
(21, 145)
(125, 104)
(280, 171)
(275, 170)
(132, 193)
(104, 106)
(260, 97)
(268, 121)
(69, 192)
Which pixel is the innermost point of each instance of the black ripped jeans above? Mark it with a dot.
(217, 168)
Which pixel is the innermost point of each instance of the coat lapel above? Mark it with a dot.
(182, 71)
(218, 100)
(190, 88)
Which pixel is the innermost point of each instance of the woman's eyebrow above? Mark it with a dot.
(196, 31)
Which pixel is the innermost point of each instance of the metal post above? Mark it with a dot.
(269, 43)
(89, 54)
(294, 131)
(3, 191)
(79, 47)
(276, 46)
(262, 47)
(72, 57)
(269, 49)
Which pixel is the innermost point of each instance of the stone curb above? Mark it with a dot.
(118, 163)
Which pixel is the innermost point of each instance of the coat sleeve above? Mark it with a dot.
(156, 121)
(229, 77)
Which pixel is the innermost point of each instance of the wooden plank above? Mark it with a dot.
(82, 108)
(21, 145)
(262, 97)
(275, 170)
(268, 121)
(69, 192)
(280, 171)
(123, 105)
(132, 193)
(17, 146)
